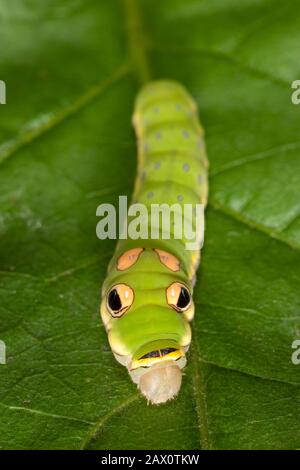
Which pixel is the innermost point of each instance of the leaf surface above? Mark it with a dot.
(72, 70)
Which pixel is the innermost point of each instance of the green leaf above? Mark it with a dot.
(72, 70)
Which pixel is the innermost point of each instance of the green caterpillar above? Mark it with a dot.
(147, 295)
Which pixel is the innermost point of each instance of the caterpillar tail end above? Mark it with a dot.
(161, 383)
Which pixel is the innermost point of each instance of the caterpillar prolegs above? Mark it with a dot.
(147, 300)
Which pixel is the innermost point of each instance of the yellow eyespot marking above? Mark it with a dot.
(168, 260)
(178, 296)
(119, 299)
(129, 258)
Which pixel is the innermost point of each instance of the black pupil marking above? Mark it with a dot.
(114, 300)
(184, 298)
(158, 353)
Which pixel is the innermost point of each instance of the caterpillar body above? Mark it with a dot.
(147, 303)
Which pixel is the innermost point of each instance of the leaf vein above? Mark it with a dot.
(44, 413)
(102, 421)
(37, 128)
